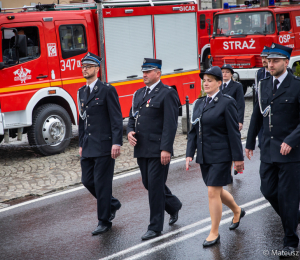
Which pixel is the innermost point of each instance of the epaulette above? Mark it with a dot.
(265, 78)
(81, 88)
(166, 86)
(107, 84)
(225, 95)
(296, 77)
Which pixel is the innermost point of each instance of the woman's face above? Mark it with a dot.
(226, 74)
(211, 86)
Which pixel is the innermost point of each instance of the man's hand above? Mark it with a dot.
(131, 138)
(285, 149)
(80, 151)
(165, 157)
(239, 166)
(240, 126)
(249, 153)
(187, 162)
(115, 151)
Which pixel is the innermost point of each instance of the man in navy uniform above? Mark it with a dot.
(100, 138)
(262, 73)
(151, 130)
(278, 110)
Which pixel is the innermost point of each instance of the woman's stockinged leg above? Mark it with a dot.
(215, 210)
(228, 200)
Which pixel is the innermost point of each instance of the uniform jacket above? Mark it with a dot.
(219, 139)
(156, 123)
(285, 120)
(103, 125)
(235, 90)
(259, 76)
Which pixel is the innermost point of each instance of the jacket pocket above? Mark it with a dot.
(154, 104)
(219, 146)
(106, 142)
(287, 100)
(155, 137)
(97, 103)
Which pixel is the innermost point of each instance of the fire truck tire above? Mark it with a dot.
(51, 129)
(1, 138)
(207, 61)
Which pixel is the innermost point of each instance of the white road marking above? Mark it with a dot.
(128, 250)
(185, 237)
(120, 176)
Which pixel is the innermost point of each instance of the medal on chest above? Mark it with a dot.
(147, 105)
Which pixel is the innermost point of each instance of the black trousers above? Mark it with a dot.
(97, 176)
(280, 186)
(154, 177)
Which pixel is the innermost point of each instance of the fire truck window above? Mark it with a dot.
(202, 21)
(283, 22)
(9, 50)
(72, 40)
(247, 23)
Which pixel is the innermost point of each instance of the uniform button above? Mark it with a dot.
(109, 137)
(271, 102)
(138, 131)
(271, 114)
(87, 115)
(139, 115)
(138, 123)
(271, 137)
(286, 100)
(89, 133)
(140, 107)
(87, 106)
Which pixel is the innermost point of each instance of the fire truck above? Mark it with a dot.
(205, 18)
(42, 47)
(239, 36)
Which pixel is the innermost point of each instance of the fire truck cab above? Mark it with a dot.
(239, 36)
(42, 47)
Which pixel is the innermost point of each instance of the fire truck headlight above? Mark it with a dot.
(235, 76)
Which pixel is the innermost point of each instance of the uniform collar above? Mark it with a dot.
(92, 85)
(281, 78)
(153, 86)
(227, 83)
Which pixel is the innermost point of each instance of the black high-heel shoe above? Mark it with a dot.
(211, 243)
(235, 225)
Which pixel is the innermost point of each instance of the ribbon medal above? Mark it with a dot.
(148, 102)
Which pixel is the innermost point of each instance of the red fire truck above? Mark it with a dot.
(239, 36)
(40, 68)
(205, 18)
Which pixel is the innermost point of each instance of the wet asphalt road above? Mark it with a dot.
(60, 227)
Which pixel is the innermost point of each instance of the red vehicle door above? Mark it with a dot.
(31, 73)
(286, 31)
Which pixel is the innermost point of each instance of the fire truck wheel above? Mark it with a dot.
(207, 61)
(1, 138)
(51, 129)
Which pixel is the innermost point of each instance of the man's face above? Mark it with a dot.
(89, 70)
(281, 18)
(264, 61)
(277, 66)
(151, 76)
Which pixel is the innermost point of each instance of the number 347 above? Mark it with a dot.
(70, 64)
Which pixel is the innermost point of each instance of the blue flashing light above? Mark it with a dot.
(271, 2)
(226, 6)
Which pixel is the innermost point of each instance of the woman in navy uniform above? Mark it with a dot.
(215, 134)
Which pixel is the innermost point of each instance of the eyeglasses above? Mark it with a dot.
(87, 67)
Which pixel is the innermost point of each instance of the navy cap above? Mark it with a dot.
(279, 51)
(91, 58)
(151, 64)
(265, 52)
(227, 66)
(216, 71)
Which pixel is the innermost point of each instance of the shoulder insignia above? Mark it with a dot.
(225, 95)
(296, 77)
(82, 87)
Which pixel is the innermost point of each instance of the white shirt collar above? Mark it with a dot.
(227, 83)
(153, 86)
(213, 96)
(281, 78)
(92, 85)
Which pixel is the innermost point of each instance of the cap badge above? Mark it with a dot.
(273, 46)
(225, 65)
(209, 69)
(144, 61)
(216, 99)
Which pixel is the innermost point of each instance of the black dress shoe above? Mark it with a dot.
(100, 229)
(150, 234)
(174, 217)
(288, 251)
(235, 225)
(211, 243)
(113, 214)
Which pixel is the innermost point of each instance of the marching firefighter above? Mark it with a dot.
(278, 111)
(100, 138)
(151, 130)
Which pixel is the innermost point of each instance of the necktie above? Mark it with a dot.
(276, 82)
(268, 74)
(208, 99)
(147, 92)
(88, 91)
(224, 86)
